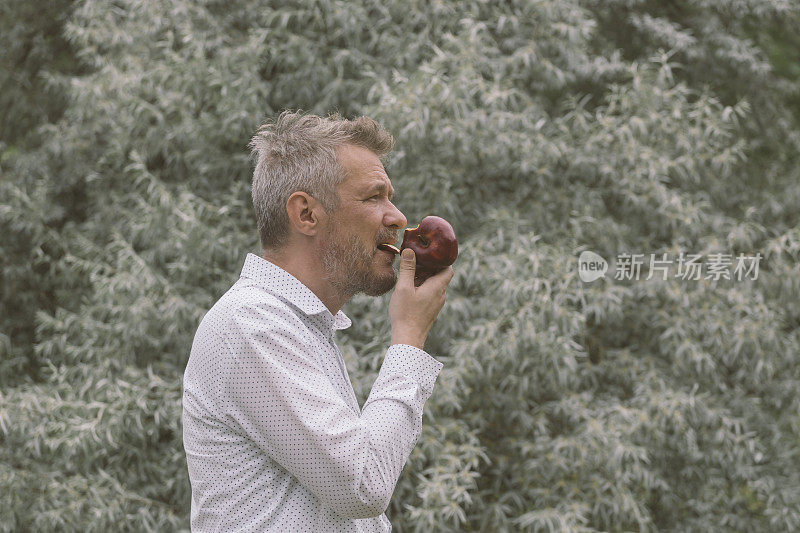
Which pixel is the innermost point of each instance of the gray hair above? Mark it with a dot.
(298, 153)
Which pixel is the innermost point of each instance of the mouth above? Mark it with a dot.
(386, 247)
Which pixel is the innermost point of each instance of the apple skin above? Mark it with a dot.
(435, 246)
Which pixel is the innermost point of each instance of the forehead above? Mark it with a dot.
(362, 167)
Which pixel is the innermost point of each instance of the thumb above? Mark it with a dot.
(408, 264)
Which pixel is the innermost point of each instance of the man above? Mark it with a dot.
(273, 434)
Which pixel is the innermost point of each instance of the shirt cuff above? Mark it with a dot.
(410, 361)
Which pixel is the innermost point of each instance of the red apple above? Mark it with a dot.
(434, 243)
(435, 246)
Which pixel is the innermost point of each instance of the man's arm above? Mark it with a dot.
(282, 399)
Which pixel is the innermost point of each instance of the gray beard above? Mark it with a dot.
(350, 269)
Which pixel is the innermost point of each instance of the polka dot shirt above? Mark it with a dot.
(273, 434)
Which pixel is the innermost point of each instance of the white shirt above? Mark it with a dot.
(274, 437)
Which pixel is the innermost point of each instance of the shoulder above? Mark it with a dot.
(247, 310)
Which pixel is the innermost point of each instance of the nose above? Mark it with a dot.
(394, 218)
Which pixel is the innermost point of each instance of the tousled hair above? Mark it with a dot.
(297, 152)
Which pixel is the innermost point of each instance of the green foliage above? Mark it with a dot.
(33, 48)
(538, 129)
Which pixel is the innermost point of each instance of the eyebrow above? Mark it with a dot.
(381, 187)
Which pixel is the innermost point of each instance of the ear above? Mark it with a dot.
(305, 213)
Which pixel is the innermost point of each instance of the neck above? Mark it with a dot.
(306, 265)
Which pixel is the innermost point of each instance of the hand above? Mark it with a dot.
(413, 310)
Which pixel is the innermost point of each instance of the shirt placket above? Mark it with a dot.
(348, 386)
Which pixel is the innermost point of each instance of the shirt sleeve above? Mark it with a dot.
(280, 396)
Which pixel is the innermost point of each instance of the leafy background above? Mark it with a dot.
(539, 129)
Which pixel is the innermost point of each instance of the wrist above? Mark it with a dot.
(411, 340)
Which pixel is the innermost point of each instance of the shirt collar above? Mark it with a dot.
(279, 282)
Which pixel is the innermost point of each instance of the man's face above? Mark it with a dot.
(365, 218)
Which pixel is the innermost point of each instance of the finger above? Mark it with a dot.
(450, 273)
(408, 265)
(446, 274)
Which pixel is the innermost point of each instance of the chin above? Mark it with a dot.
(380, 284)
(354, 269)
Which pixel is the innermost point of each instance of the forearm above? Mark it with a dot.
(393, 413)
